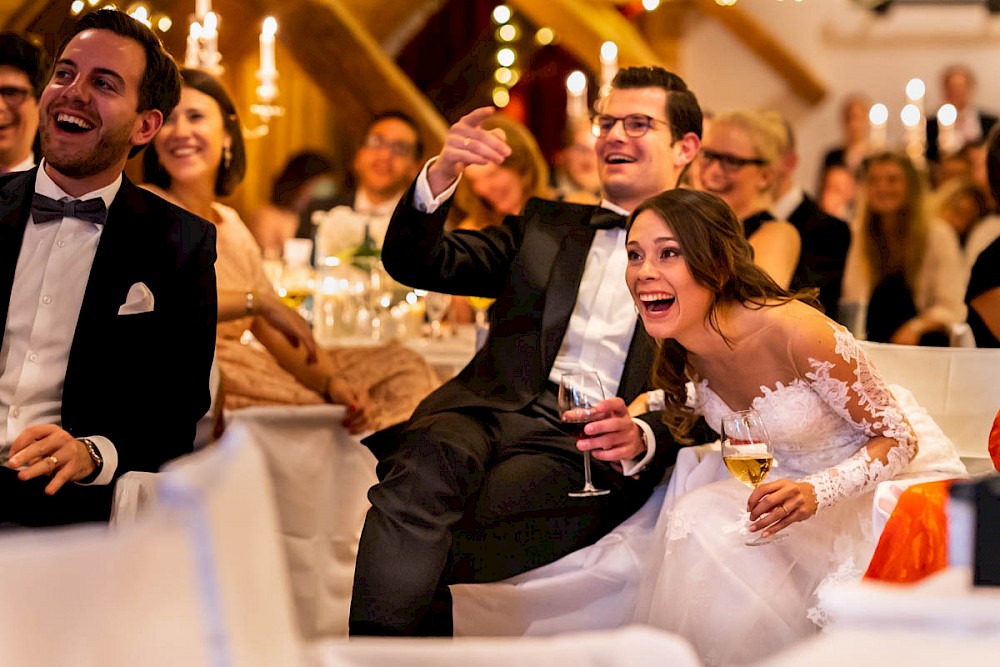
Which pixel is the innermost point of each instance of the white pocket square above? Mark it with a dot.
(139, 300)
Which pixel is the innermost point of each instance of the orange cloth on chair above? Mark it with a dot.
(995, 442)
(914, 542)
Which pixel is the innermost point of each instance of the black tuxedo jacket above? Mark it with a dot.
(825, 240)
(141, 380)
(933, 153)
(532, 265)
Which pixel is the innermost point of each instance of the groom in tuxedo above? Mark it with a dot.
(473, 488)
(110, 309)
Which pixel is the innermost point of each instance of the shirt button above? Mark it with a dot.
(46, 299)
(32, 357)
(61, 244)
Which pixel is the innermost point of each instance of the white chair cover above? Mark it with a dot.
(321, 475)
(627, 647)
(198, 580)
(958, 386)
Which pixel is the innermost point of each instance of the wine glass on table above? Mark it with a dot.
(436, 307)
(747, 453)
(579, 394)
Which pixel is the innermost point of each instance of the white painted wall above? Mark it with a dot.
(847, 48)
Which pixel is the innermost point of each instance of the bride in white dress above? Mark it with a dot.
(733, 339)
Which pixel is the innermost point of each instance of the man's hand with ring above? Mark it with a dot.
(46, 449)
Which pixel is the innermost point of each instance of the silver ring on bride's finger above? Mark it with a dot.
(784, 510)
(466, 141)
(53, 461)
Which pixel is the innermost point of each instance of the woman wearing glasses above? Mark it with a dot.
(737, 157)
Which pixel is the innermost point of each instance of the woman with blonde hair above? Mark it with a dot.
(487, 193)
(905, 277)
(738, 156)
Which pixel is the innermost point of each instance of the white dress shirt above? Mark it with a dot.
(25, 164)
(784, 206)
(378, 214)
(50, 279)
(603, 319)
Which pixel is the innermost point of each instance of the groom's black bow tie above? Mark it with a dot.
(45, 209)
(604, 218)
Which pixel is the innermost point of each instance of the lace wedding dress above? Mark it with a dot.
(737, 603)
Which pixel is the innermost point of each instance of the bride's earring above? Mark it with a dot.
(227, 156)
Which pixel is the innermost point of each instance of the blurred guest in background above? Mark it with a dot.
(488, 193)
(825, 239)
(854, 128)
(307, 176)
(738, 164)
(575, 176)
(199, 156)
(958, 88)
(983, 294)
(905, 273)
(387, 160)
(24, 69)
(960, 203)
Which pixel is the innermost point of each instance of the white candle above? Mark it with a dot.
(191, 54)
(576, 95)
(609, 64)
(210, 36)
(878, 118)
(948, 141)
(267, 66)
(202, 8)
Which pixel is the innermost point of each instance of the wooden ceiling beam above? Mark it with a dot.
(744, 27)
(344, 60)
(583, 25)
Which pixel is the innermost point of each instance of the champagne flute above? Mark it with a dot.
(481, 304)
(747, 453)
(579, 393)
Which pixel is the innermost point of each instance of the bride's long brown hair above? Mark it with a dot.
(720, 259)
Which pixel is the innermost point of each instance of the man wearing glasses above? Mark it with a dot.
(385, 163)
(473, 488)
(23, 71)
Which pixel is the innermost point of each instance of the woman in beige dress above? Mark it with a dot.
(199, 156)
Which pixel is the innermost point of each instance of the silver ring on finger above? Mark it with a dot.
(53, 461)
(784, 510)
(466, 141)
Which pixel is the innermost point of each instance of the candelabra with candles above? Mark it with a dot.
(913, 119)
(267, 74)
(202, 50)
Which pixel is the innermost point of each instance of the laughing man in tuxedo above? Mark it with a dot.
(473, 487)
(110, 309)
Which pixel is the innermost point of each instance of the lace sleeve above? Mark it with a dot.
(842, 376)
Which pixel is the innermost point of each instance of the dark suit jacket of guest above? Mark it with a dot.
(986, 121)
(141, 380)
(307, 230)
(532, 264)
(825, 240)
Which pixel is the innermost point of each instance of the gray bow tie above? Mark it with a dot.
(46, 209)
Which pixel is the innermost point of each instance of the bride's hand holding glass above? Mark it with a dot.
(776, 505)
